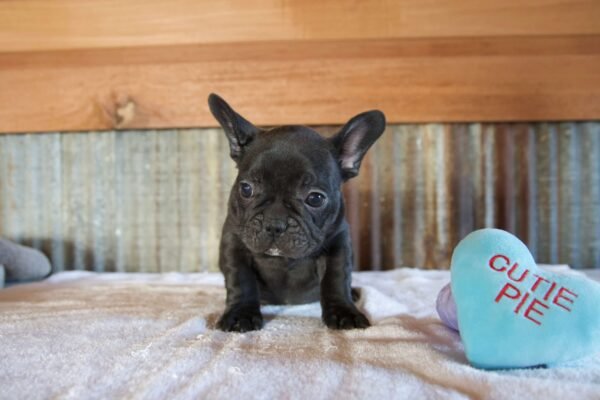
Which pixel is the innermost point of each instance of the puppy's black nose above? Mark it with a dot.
(275, 227)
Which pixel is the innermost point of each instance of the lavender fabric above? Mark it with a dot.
(446, 307)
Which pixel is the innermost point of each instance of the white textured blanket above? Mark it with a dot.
(89, 336)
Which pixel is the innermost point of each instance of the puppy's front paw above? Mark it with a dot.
(241, 319)
(344, 317)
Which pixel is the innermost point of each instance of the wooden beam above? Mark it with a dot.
(309, 82)
(35, 25)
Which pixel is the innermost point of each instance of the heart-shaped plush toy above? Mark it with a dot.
(513, 314)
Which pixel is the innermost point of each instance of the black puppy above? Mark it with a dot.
(285, 239)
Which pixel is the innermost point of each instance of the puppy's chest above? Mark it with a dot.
(285, 282)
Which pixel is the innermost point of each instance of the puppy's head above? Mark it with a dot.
(286, 201)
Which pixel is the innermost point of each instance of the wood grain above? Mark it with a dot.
(324, 82)
(27, 25)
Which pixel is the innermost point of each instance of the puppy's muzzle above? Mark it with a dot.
(275, 227)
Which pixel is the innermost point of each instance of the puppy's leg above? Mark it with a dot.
(339, 310)
(242, 312)
(355, 295)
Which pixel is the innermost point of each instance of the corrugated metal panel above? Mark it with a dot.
(117, 201)
(425, 187)
(154, 200)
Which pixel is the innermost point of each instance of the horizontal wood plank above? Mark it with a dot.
(316, 82)
(33, 25)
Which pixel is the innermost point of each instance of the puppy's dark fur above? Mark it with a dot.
(285, 239)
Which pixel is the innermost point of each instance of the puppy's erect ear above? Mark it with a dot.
(239, 131)
(355, 138)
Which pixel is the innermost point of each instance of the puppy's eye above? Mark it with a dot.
(315, 199)
(246, 190)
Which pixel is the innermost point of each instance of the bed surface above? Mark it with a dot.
(100, 336)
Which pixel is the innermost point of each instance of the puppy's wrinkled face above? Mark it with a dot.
(286, 197)
(286, 201)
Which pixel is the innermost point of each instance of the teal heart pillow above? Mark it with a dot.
(511, 313)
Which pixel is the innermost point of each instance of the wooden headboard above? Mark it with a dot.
(110, 64)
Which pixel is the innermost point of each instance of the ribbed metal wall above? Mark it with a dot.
(117, 201)
(155, 200)
(425, 187)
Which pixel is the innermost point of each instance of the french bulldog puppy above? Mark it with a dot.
(285, 239)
